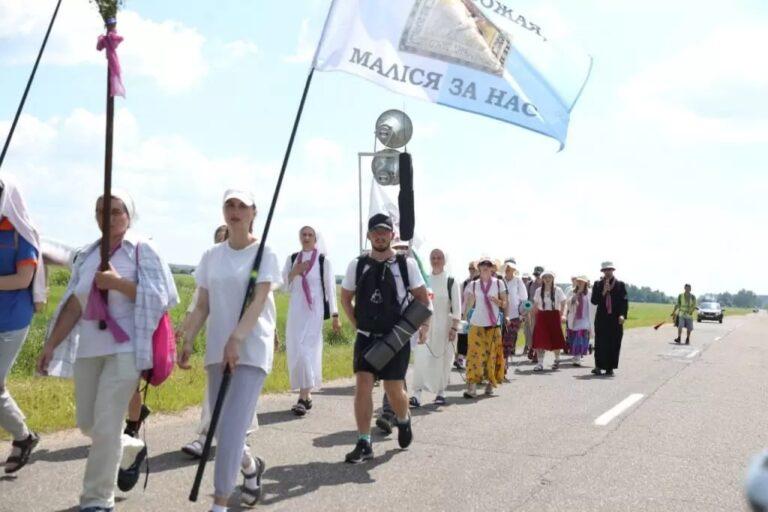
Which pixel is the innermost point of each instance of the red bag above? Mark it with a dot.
(163, 348)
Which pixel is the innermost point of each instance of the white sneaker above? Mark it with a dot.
(194, 449)
(131, 448)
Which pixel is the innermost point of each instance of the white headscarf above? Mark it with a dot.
(319, 240)
(127, 199)
(13, 207)
(446, 267)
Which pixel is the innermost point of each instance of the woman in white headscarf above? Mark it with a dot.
(20, 262)
(308, 277)
(107, 362)
(432, 369)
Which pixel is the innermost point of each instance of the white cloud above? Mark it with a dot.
(710, 92)
(323, 151)
(305, 46)
(242, 48)
(167, 52)
(177, 185)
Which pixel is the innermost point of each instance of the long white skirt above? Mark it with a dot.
(304, 342)
(433, 360)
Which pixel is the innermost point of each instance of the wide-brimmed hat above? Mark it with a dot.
(484, 259)
(582, 278)
(607, 265)
(548, 273)
(396, 242)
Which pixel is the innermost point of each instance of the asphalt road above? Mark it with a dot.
(695, 415)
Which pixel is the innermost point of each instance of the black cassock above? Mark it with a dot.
(608, 331)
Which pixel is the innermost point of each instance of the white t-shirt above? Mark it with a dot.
(585, 322)
(224, 272)
(93, 341)
(480, 316)
(517, 294)
(559, 299)
(415, 278)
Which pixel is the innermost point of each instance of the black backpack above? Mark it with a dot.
(377, 308)
(326, 305)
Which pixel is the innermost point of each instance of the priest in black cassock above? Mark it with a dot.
(610, 296)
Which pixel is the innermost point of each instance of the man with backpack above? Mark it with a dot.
(381, 284)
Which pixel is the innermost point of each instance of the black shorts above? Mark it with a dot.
(462, 344)
(394, 370)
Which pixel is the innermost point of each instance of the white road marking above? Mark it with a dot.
(622, 406)
(693, 354)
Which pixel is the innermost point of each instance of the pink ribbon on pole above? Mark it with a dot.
(111, 41)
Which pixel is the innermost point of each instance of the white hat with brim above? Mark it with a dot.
(246, 197)
(607, 265)
(400, 243)
(548, 273)
(582, 278)
(484, 259)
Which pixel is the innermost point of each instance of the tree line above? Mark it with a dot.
(741, 299)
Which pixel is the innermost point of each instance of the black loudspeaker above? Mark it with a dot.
(405, 198)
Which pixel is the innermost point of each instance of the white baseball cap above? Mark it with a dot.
(242, 195)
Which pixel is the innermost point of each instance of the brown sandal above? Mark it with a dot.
(26, 446)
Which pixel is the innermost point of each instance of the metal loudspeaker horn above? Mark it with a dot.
(394, 128)
(386, 167)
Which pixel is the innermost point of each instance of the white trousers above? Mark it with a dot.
(205, 416)
(236, 415)
(104, 386)
(11, 417)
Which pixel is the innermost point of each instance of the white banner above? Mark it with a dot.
(475, 55)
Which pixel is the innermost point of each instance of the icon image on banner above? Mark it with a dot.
(457, 32)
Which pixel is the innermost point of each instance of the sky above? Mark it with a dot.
(664, 171)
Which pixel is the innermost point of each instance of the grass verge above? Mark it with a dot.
(49, 403)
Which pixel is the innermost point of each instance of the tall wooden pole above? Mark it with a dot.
(106, 214)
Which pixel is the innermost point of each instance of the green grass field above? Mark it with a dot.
(645, 315)
(49, 402)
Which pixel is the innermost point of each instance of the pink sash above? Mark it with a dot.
(97, 309)
(488, 304)
(304, 282)
(580, 306)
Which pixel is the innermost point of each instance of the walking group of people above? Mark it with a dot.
(106, 343)
(476, 323)
(102, 332)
